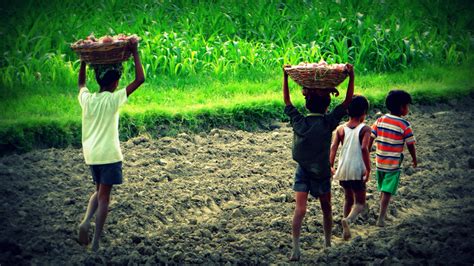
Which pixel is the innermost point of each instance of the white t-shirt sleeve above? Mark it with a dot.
(120, 98)
(83, 96)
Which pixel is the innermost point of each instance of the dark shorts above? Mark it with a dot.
(357, 185)
(305, 182)
(107, 174)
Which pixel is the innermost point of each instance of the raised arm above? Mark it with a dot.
(366, 145)
(286, 91)
(139, 76)
(82, 75)
(350, 87)
(412, 150)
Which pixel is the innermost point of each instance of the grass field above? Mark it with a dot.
(218, 63)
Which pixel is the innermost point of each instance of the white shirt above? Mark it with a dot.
(350, 165)
(100, 121)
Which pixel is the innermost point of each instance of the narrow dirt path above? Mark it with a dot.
(226, 196)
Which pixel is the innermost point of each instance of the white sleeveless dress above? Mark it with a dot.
(350, 165)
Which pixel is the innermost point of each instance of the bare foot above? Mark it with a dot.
(346, 232)
(381, 222)
(327, 243)
(388, 218)
(95, 245)
(295, 255)
(84, 233)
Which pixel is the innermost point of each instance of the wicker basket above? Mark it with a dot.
(317, 75)
(103, 53)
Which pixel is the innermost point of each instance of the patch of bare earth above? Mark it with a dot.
(226, 196)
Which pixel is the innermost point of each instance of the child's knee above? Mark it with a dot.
(386, 196)
(348, 192)
(300, 212)
(326, 208)
(360, 206)
(360, 199)
(103, 198)
(349, 199)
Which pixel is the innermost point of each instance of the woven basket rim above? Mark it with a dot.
(309, 66)
(316, 76)
(97, 45)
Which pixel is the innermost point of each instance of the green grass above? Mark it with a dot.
(221, 38)
(194, 95)
(194, 107)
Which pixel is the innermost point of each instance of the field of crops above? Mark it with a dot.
(215, 63)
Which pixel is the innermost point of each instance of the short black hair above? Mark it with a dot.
(358, 106)
(108, 78)
(317, 103)
(107, 74)
(396, 99)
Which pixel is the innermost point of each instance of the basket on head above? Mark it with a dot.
(317, 75)
(115, 50)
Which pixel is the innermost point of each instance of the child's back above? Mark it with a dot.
(391, 132)
(311, 143)
(100, 123)
(350, 164)
(100, 137)
(353, 169)
(312, 138)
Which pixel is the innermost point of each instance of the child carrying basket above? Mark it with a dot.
(100, 120)
(312, 139)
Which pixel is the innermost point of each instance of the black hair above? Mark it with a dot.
(358, 106)
(396, 99)
(317, 103)
(108, 78)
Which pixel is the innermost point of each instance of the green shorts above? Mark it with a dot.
(388, 181)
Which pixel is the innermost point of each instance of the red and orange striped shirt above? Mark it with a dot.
(391, 133)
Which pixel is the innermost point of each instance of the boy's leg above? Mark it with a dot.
(356, 210)
(388, 187)
(103, 207)
(348, 201)
(384, 201)
(300, 211)
(325, 201)
(386, 218)
(85, 224)
(359, 205)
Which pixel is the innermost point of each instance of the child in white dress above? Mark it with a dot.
(353, 169)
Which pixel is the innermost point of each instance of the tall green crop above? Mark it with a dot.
(222, 38)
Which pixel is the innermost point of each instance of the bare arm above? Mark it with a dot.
(139, 76)
(334, 146)
(366, 144)
(350, 87)
(82, 75)
(286, 91)
(412, 150)
(371, 143)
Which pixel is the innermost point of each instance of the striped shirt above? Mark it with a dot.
(391, 133)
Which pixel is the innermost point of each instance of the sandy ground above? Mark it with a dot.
(226, 196)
